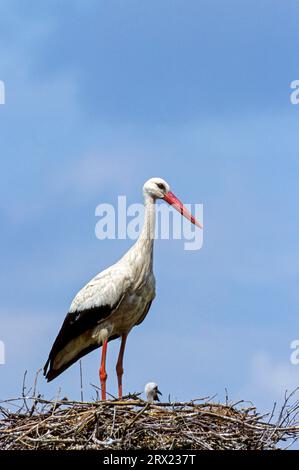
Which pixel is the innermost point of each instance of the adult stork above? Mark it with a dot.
(115, 300)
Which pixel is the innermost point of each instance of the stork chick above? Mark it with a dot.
(151, 391)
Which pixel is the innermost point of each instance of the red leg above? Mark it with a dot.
(102, 371)
(119, 365)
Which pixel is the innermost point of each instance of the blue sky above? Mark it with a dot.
(102, 95)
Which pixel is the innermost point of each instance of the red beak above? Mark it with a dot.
(179, 206)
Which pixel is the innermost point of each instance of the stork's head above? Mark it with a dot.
(157, 188)
(151, 391)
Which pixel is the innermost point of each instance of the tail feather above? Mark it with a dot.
(51, 373)
(75, 333)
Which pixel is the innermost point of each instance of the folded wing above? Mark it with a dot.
(93, 304)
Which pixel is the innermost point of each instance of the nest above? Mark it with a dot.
(131, 423)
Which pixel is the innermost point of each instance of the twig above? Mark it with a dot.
(81, 380)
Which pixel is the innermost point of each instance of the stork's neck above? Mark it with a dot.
(147, 234)
(143, 248)
(141, 253)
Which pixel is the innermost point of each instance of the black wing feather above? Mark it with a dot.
(75, 324)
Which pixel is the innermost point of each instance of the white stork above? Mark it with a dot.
(152, 392)
(115, 300)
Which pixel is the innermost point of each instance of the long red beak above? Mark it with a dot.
(179, 206)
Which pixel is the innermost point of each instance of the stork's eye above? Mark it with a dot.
(161, 186)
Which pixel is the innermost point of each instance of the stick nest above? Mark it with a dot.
(131, 423)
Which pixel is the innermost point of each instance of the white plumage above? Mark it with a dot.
(152, 392)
